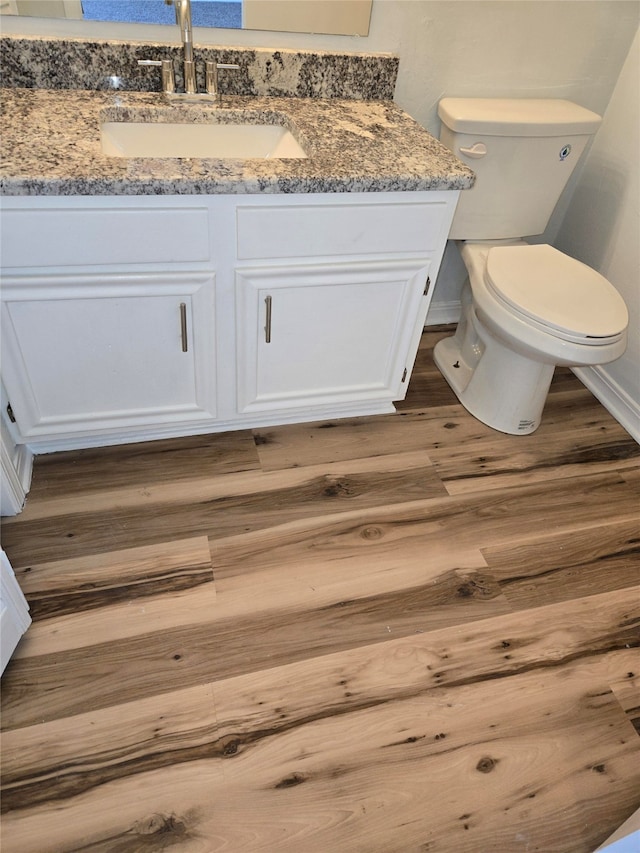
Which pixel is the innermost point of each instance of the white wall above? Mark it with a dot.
(602, 229)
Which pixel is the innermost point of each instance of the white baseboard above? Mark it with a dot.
(613, 397)
(256, 420)
(443, 312)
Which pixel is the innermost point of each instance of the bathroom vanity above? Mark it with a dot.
(147, 297)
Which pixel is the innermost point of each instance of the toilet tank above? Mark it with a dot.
(522, 151)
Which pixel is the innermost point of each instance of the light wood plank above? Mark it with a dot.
(151, 811)
(271, 570)
(563, 566)
(85, 583)
(503, 461)
(219, 507)
(123, 621)
(91, 471)
(299, 445)
(200, 489)
(69, 756)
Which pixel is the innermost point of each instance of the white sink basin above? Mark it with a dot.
(185, 139)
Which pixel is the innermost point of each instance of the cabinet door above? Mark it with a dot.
(93, 353)
(325, 335)
(14, 611)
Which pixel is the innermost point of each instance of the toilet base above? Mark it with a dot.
(503, 389)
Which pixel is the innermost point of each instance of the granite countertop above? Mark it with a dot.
(51, 146)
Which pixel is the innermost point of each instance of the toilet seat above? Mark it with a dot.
(556, 293)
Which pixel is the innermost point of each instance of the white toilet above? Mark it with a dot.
(527, 308)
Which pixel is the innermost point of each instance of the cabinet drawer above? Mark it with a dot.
(55, 237)
(279, 231)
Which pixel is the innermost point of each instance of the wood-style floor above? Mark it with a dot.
(379, 635)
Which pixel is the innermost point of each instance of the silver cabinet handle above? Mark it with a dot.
(183, 327)
(267, 328)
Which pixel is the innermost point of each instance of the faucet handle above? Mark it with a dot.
(168, 74)
(212, 69)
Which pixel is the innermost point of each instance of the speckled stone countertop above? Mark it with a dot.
(76, 63)
(51, 146)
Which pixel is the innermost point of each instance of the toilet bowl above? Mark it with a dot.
(526, 309)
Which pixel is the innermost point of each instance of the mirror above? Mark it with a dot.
(332, 17)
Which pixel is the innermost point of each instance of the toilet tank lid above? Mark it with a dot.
(517, 116)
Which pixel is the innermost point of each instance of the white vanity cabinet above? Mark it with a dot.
(129, 318)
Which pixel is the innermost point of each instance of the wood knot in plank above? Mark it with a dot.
(160, 824)
(486, 764)
(465, 590)
(371, 533)
(229, 746)
(336, 488)
(474, 587)
(291, 781)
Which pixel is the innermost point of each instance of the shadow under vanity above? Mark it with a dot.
(147, 297)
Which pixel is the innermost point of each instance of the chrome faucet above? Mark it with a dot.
(183, 20)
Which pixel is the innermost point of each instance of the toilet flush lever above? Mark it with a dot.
(477, 150)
